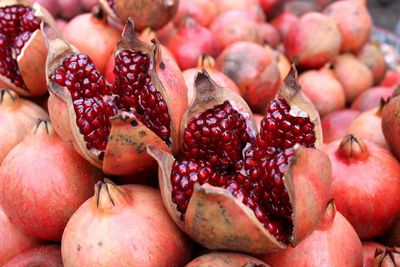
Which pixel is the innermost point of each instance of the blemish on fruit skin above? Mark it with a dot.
(129, 141)
(134, 123)
(142, 133)
(78, 247)
(100, 244)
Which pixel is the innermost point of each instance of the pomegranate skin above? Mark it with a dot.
(323, 89)
(369, 249)
(226, 5)
(69, 8)
(371, 98)
(373, 58)
(390, 124)
(202, 11)
(93, 235)
(313, 41)
(284, 22)
(269, 5)
(335, 124)
(392, 79)
(89, 4)
(365, 175)
(44, 206)
(355, 23)
(269, 34)
(225, 259)
(44, 256)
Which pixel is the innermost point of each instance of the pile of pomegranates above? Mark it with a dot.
(197, 133)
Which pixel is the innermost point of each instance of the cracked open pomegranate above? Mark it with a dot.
(22, 47)
(111, 124)
(234, 188)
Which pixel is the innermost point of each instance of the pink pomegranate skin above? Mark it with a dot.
(44, 256)
(371, 98)
(225, 259)
(284, 22)
(369, 249)
(335, 124)
(391, 79)
(372, 56)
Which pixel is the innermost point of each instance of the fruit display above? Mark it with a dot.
(197, 133)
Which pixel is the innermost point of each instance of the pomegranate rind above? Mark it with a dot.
(225, 259)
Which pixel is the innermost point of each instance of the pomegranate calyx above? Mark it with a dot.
(99, 14)
(387, 257)
(382, 104)
(206, 62)
(109, 197)
(43, 127)
(354, 148)
(8, 97)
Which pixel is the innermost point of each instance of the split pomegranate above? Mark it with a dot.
(207, 63)
(392, 79)
(269, 34)
(111, 124)
(44, 256)
(254, 70)
(22, 47)
(50, 186)
(389, 257)
(231, 181)
(369, 249)
(334, 243)
(335, 124)
(202, 11)
(372, 56)
(365, 176)
(146, 14)
(190, 42)
(92, 35)
(225, 259)
(150, 238)
(323, 89)
(355, 23)
(371, 98)
(69, 8)
(17, 117)
(354, 76)
(284, 22)
(313, 41)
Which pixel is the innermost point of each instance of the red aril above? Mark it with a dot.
(372, 56)
(269, 34)
(369, 248)
(335, 124)
(44, 256)
(284, 22)
(371, 98)
(392, 79)
(225, 259)
(147, 240)
(202, 11)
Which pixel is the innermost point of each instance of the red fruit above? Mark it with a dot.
(147, 240)
(371, 98)
(392, 236)
(390, 123)
(44, 256)
(88, 5)
(146, 14)
(69, 8)
(207, 63)
(365, 176)
(12, 240)
(92, 35)
(231, 182)
(22, 48)
(355, 23)
(335, 124)
(269, 5)
(372, 56)
(226, 5)
(190, 42)
(166, 33)
(323, 89)
(284, 22)
(334, 243)
(202, 11)
(369, 249)
(354, 76)
(50, 5)
(269, 34)
(45, 204)
(313, 41)
(254, 70)
(392, 79)
(225, 259)
(389, 257)
(301, 7)
(111, 124)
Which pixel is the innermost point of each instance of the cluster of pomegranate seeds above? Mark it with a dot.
(254, 173)
(17, 23)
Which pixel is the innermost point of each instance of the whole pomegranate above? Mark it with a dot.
(390, 123)
(69, 8)
(269, 34)
(17, 117)
(313, 41)
(146, 14)
(147, 240)
(50, 5)
(111, 124)
(254, 70)
(283, 22)
(371, 98)
(392, 79)
(91, 34)
(166, 33)
(202, 11)
(231, 181)
(323, 89)
(365, 175)
(22, 48)
(388, 257)
(355, 23)
(372, 56)
(44, 256)
(354, 76)
(226, 5)
(50, 186)
(335, 124)
(369, 249)
(334, 243)
(207, 63)
(88, 5)
(190, 42)
(225, 259)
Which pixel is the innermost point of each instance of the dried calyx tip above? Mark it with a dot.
(353, 148)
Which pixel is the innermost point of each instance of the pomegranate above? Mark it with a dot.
(190, 42)
(111, 124)
(92, 35)
(61, 24)
(389, 257)
(12, 240)
(392, 79)
(269, 34)
(44, 205)
(313, 41)
(284, 22)
(91, 234)
(335, 124)
(89, 4)
(269, 5)
(324, 3)
(365, 175)
(226, 5)
(254, 70)
(225, 259)
(369, 249)
(355, 23)
(166, 33)
(202, 11)
(230, 181)
(44, 256)
(354, 76)
(371, 98)
(69, 8)
(22, 47)
(146, 14)
(372, 56)
(334, 243)
(301, 7)
(207, 63)
(50, 5)
(390, 123)
(109, 72)
(323, 89)
(17, 117)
